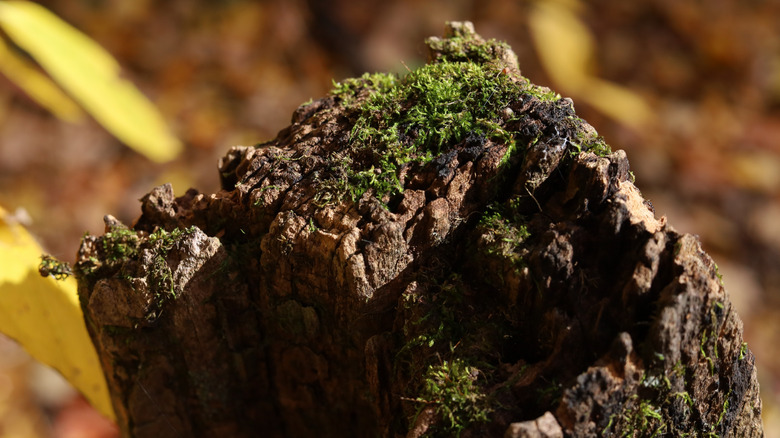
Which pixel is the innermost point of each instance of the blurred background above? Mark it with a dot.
(696, 86)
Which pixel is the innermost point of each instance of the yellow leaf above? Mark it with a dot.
(44, 316)
(91, 76)
(566, 49)
(40, 88)
(563, 43)
(618, 102)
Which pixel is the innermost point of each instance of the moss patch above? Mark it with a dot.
(413, 119)
(120, 253)
(56, 268)
(451, 343)
(451, 388)
(503, 233)
(160, 277)
(120, 243)
(399, 123)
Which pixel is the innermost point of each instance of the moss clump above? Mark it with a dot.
(503, 233)
(461, 43)
(464, 48)
(644, 419)
(471, 89)
(56, 268)
(433, 107)
(450, 336)
(410, 120)
(120, 243)
(160, 277)
(121, 252)
(349, 89)
(451, 388)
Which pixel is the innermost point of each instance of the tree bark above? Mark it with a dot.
(370, 274)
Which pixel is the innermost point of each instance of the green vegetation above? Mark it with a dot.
(442, 356)
(120, 243)
(686, 398)
(719, 275)
(51, 266)
(122, 247)
(348, 90)
(504, 232)
(463, 47)
(438, 323)
(644, 412)
(724, 409)
(459, 401)
(644, 417)
(658, 398)
(403, 122)
(160, 277)
(411, 120)
(704, 353)
(596, 145)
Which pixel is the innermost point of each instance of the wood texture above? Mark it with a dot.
(531, 296)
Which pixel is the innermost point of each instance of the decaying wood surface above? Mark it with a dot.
(537, 296)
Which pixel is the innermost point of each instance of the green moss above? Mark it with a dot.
(542, 93)
(348, 90)
(56, 268)
(501, 245)
(719, 275)
(438, 322)
(643, 419)
(704, 355)
(679, 369)
(467, 90)
(503, 234)
(656, 399)
(598, 146)
(160, 277)
(450, 334)
(120, 243)
(450, 387)
(686, 398)
(117, 246)
(590, 142)
(550, 394)
(464, 47)
(725, 408)
(416, 118)
(120, 251)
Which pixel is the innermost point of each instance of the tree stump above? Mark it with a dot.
(453, 252)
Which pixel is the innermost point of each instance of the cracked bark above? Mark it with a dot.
(273, 313)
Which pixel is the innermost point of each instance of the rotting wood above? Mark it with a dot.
(506, 280)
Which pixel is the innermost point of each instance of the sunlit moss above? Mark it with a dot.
(450, 387)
